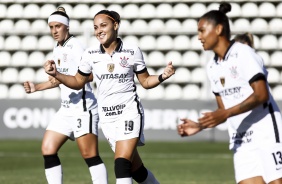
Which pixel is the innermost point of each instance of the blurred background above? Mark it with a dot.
(164, 30)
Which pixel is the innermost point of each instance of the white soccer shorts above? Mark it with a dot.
(77, 125)
(265, 161)
(129, 126)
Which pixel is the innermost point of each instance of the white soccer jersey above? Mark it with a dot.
(67, 58)
(114, 77)
(231, 78)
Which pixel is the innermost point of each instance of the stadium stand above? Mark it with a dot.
(4, 91)
(19, 59)
(5, 59)
(26, 74)
(3, 10)
(249, 9)
(36, 59)
(164, 30)
(6, 25)
(173, 92)
(180, 10)
(191, 91)
(9, 75)
(16, 91)
(31, 11)
(29, 43)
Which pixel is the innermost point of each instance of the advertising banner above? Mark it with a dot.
(28, 119)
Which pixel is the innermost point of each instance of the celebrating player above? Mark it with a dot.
(239, 82)
(78, 116)
(114, 64)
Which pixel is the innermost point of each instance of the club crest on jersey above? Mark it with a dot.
(59, 62)
(123, 61)
(234, 72)
(222, 81)
(111, 67)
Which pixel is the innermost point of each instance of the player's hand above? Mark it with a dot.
(29, 87)
(53, 81)
(50, 68)
(188, 128)
(168, 71)
(212, 119)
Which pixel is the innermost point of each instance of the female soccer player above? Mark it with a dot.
(238, 80)
(114, 64)
(78, 116)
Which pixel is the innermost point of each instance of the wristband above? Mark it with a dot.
(161, 78)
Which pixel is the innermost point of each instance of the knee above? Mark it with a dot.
(122, 168)
(48, 149)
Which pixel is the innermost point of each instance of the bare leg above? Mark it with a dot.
(88, 146)
(123, 156)
(254, 180)
(51, 143)
(278, 181)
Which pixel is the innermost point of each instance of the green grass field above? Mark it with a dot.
(171, 162)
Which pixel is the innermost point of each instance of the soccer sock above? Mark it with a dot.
(53, 169)
(97, 170)
(123, 171)
(144, 176)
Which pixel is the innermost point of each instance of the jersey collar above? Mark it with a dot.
(65, 42)
(225, 55)
(117, 49)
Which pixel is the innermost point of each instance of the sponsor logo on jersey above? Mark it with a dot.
(63, 70)
(111, 67)
(123, 61)
(94, 51)
(128, 51)
(242, 137)
(114, 110)
(222, 81)
(231, 91)
(234, 72)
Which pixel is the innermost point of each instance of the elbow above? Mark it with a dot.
(78, 87)
(265, 98)
(261, 99)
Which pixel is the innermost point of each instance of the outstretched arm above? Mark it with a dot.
(258, 97)
(188, 128)
(30, 87)
(150, 81)
(75, 82)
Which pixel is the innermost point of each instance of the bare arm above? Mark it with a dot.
(75, 82)
(30, 87)
(150, 81)
(258, 97)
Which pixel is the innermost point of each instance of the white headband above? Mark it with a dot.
(58, 18)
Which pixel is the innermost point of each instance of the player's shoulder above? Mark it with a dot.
(74, 43)
(243, 48)
(93, 49)
(130, 48)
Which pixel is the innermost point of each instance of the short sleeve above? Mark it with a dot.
(139, 63)
(84, 67)
(251, 65)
